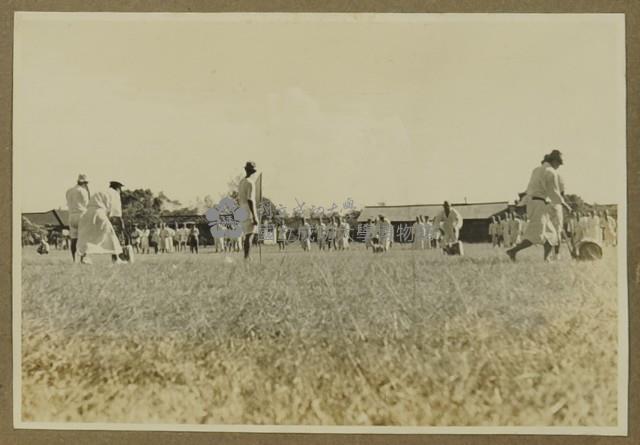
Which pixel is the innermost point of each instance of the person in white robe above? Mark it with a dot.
(417, 231)
(452, 222)
(304, 235)
(144, 240)
(96, 235)
(543, 188)
(247, 202)
(385, 232)
(342, 234)
(77, 201)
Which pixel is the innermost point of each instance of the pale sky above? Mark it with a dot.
(404, 109)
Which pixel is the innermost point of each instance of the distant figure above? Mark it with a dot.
(505, 226)
(155, 240)
(543, 186)
(247, 201)
(515, 227)
(95, 231)
(332, 229)
(368, 233)
(77, 201)
(342, 235)
(281, 235)
(43, 247)
(609, 229)
(418, 232)
(493, 236)
(136, 237)
(321, 234)
(385, 232)
(144, 239)
(451, 224)
(304, 235)
(193, 238)
(428, 232)
(218, 242)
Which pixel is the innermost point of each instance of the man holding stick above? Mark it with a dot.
(543, 187)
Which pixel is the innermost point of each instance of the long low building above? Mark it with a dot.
(476, 216)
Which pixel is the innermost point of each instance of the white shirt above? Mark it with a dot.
(544, 183)
(116, 203)
(77, 199)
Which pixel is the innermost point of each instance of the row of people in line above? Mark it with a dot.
(507, 230)
(163, 238)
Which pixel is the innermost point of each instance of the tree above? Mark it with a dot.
(141, 206)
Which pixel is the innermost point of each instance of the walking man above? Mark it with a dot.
(77, 201)
(543, 186)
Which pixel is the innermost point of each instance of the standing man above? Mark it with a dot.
(332, 228)
(385, 232)
(417, 230)
(342, 234)
(451, 224)
(505, 227)
(321, 234)
(428, 232)
(492, 231)
(247, 201)
(281, 235)
(609, 227)
(115, 214)
(515, 227)
(543, 186)
(77, 201)
(304, 235)
(136, 238)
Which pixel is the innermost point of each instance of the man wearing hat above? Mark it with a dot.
(247, 201)
(543, 192)
(77, 200)
(115, 215)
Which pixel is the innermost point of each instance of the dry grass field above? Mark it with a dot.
(347, 338)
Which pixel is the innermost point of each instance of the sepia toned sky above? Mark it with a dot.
(401, 109)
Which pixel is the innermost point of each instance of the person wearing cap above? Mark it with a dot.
(451, 224)
(95, 231)
(247, 201)
(543, 189)
(77, 201)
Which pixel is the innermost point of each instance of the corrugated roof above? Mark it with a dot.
(481, 210)
(43, 218)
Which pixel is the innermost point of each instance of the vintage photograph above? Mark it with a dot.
(319, 222)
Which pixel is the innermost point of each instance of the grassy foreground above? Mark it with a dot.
(347, 338)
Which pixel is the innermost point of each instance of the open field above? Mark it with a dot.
(351, 338)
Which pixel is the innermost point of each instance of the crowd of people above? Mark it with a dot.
(96, 224)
